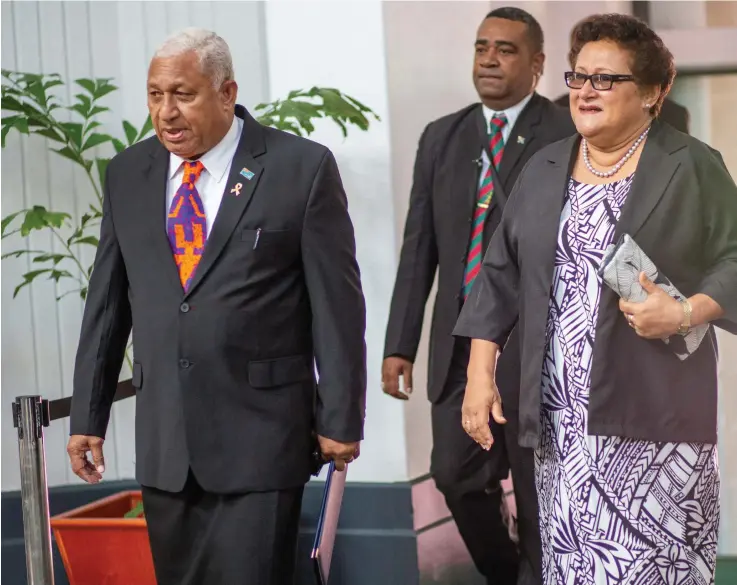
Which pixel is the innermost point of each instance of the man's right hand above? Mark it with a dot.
(391, 369)
(77, 448)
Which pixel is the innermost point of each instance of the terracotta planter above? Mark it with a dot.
(100, 547)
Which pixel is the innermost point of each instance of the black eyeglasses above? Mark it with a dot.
(599, 81)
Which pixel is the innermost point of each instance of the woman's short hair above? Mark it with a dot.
(650, 60)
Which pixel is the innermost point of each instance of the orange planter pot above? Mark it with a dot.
(100, 547)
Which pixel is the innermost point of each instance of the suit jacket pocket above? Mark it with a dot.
(137, 376)
(280, 371)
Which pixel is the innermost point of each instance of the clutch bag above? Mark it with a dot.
(620, 270)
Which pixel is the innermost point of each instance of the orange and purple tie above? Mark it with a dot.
(486, 191)
(186, 224)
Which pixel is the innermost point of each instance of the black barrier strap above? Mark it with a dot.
(61, 407)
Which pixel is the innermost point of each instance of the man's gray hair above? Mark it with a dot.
(212, 51)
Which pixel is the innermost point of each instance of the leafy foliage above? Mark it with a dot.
(33, 105)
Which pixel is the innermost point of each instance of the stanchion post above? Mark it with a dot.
(30, 416)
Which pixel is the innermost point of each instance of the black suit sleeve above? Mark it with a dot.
(492, 307)
(418, 262)
(719, 206)
(338, 307)
(106, 325)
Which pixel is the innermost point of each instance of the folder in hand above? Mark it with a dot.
(327, 523)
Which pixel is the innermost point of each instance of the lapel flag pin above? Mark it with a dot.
(246, 173)
(237, 189)
(520, 139)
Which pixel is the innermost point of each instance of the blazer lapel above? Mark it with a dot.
(154, 214)
(522, 134)
(552, 193)
(245, 173)
(655, 169)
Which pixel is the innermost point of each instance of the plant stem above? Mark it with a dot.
(74, 257)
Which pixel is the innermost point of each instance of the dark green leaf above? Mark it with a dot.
(7, 220)
(4, 135)
(102, 164)
(74, 132)
(28, 278)
(51, 134)
(53, 82)
(148, 125)
(87, 84)
(37, 91)
(91, 240)
(95, 139)
(11, 104)
(70, 154)
(57, 274)
(19, 253)
(118, 145)
(55, 258)
(130, 132)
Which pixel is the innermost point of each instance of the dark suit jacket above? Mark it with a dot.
(682, 210)
(225, 373)
(675, 114)
(438, 226)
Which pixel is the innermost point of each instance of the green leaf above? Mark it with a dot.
(39, 218)
(11, 104)
(87, 84)
(55, 258)
(70, 154)
(130, 132)
(7, 220)
(37, 91)
(118, 145)
(104, 87)
(91, 240)
(98, 110)
(95, 139)
(148, 125)
(28, 278)
(57, 274)
(102, 164)
(135, 512)
(51, 134)
(19, 253)
(73, 132)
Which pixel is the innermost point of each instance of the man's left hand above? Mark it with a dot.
(658, 317)
(341, 453)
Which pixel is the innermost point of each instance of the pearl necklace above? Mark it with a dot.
(615, 169)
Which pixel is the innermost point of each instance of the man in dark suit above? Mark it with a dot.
(228, 249)
(456, 203)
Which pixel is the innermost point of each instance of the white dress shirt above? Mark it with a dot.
(214, 177)
(512, 114)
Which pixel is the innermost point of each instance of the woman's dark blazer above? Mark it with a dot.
(682, 210)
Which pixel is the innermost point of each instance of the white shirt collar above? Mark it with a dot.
(217, 159)
(512, 113)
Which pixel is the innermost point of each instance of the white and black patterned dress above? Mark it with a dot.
(612, 510)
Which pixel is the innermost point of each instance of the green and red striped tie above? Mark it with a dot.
(475, 251)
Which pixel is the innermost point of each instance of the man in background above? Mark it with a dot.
(466, 165)
(228, 248)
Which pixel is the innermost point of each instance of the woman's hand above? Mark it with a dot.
(658, 317)
(481, 398)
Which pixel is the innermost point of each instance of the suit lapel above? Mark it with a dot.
(520, 137)
(245, 173)
(154, 214)
(655, 169)
(552, 193)
(466, 163)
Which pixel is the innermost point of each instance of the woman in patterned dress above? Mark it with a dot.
(624, 431)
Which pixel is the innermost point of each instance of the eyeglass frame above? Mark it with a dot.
(611, 77)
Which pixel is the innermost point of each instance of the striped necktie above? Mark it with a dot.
(186, 224)
(486, 191)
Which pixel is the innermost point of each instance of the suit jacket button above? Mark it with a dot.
(184, 364)
(184, 307)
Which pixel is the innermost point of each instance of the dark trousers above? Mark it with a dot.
(522, 463)
(200, 538)
(469, 479)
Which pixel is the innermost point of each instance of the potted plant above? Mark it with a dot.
(106, 541)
